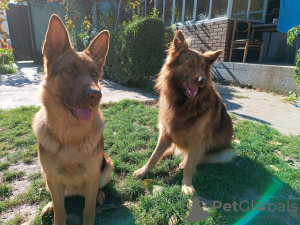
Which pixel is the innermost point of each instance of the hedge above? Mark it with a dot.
(137, 51)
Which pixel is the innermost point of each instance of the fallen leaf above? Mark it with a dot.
(274, 168)
(237, 141)
(153, 186)
(275, 142)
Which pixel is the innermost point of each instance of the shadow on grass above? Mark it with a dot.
(247, 183)
(111, 213)
(251, 118)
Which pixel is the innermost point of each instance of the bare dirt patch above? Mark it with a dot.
(27, 211)
(27, 169)
(294, 163)
(20, 186)
(151, 103)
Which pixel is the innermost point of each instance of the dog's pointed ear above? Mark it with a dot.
(99, 47)
(179, 42)
(57, 39)
(212, 56)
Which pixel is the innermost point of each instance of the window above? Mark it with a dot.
(249, 9)
(239, 8)
(219, 8)
(256, 10)
(160, 8)
(168, 12)
(178, 11)
(197, 10)
(202, 11)
(149, 7)
(189, 9)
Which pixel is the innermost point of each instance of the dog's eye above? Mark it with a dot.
(203, 67)
(190, 63)
(94, 74)
(69, 70)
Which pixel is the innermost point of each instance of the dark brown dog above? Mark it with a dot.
(69, 126)
(192, 117)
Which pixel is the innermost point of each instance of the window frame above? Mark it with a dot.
(263, 12)
(229, 14)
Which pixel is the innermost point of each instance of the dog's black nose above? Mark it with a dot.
(202, 79)
(93, 94)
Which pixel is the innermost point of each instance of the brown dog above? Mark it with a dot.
(192, 117)
(69, 126)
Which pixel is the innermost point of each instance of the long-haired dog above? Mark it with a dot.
(192, 117)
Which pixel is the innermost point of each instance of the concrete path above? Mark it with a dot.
(23, 89)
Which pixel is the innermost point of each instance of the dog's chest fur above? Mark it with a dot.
(72, 165)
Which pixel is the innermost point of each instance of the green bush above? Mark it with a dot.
(6, 61)
(83, 39)
(115, 68)
(137, 51)
(292, 33)
(6, 56)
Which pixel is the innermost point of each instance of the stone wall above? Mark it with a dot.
(210, 36)
(278, 79)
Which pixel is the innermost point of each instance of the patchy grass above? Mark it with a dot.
(15, 221)
(5, 190)
(130, 137)
(16, 138)
(293, 98)
(4, 165)
(12, 175)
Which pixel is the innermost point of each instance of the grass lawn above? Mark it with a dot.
(266, 170)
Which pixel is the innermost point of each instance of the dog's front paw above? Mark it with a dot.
(181, 165)
(140, 173)
(48, 209)
(188, 190)
(100, 197)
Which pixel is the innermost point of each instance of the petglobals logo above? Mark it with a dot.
(246, 206)
(198, 214)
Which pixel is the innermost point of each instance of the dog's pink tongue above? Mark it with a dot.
(84, 114)
(193, 88)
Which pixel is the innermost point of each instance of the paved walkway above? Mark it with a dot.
(23, 89)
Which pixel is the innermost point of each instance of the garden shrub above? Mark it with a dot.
(114, 65)
(83, 39)
(291, 35)
(6, 61)
(6, 56)
(137, 51)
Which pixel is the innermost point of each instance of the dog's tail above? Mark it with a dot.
(222, 157)
(106, 169)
